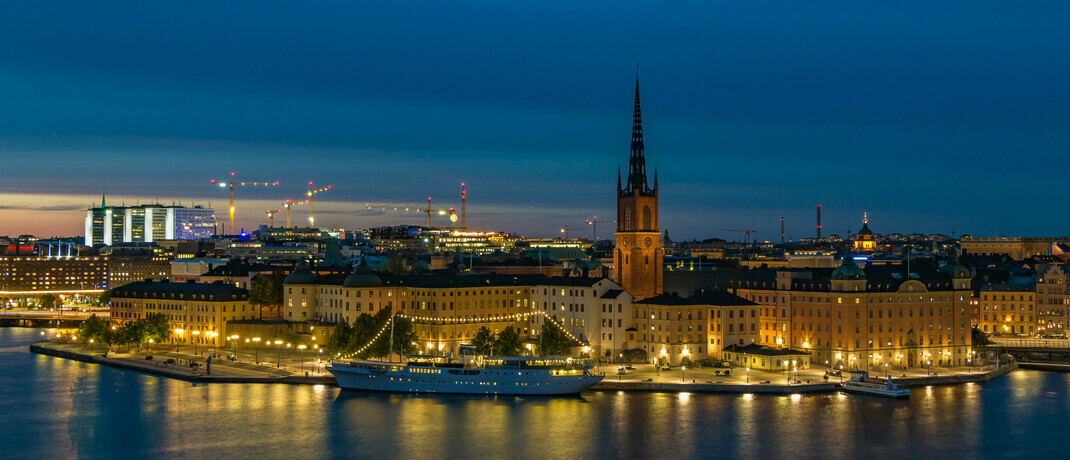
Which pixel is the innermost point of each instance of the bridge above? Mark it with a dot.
(37, 318)
(1055, 351)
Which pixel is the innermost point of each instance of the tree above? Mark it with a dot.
(483, 341)
(395, 265)
(93, 328)
(507, 343)
(105, 298)
(979, 338)
(49, 301)
(156, 328)
(338, 342)
(553, 341)
(266, 291)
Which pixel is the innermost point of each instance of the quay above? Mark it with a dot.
(645, 378)
(157, 362)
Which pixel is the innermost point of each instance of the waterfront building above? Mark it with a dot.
(1009, 309)
(761, 357)
(31, 275)
(638, 252)
(672, 329)
(452, 308)
(197, 312)
(873, 318)
(108, 225)
(1053, 298)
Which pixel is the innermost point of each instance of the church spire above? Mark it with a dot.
(102, 196)
(618, 177)
(655, 176)
(637, 161)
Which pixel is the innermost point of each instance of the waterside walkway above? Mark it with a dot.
(643, 378)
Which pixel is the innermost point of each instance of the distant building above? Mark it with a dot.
(865, 241)
(1009, 309)
(108, 225)
(1017, 248)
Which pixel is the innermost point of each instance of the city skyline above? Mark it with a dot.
(932, 124)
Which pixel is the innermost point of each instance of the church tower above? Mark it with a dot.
(637, 256)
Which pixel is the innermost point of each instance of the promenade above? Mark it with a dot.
(187, 364)
(812, 380)
(259, 366)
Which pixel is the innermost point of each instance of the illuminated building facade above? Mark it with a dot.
(21, 275)
(1053, 298)
(451, 309)
(198, 312)
(674, 329)
(865, 241)
(108, 225)
(875, 318)
(1009, 309)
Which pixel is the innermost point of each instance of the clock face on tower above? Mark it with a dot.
(625, 240)
(648, 241)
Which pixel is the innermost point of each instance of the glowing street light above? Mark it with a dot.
(256, 349)
(302, 348)
(278, 353)
(197, 335)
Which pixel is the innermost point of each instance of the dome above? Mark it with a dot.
(848, 272)
(302, 274)
(956, 271)
(362, 277)
(362, 280)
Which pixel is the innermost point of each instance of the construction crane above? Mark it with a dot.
(311, 194)
(594, 226)
(566, 229)
(744, 231)
(231, 183)
(287, 205)
(271, 217)
(409, 206)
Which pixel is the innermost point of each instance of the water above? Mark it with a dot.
(51, 407)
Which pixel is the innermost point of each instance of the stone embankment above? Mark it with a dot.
(222, 371)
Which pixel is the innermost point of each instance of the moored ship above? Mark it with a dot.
(862, 383)
(473, 374)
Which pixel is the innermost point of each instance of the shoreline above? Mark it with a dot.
(263, 374)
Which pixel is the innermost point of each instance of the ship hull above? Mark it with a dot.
(406, 379)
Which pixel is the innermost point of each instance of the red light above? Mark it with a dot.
(276, 182)
(309, 182)
(231, 174)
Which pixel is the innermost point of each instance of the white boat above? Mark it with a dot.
(861, 383)
(474, 374)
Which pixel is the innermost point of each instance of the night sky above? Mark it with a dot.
(935, 117)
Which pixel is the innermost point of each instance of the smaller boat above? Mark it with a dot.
(861, 383)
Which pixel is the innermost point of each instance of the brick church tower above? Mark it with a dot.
(637, 257)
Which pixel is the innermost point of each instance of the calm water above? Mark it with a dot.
(51, 407)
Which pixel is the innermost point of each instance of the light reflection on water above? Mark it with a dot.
(54, 407)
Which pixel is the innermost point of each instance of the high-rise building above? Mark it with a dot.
(108, 225)
(638, 255)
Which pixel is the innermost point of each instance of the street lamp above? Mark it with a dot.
(234, 338)
(256, 349)
(278, 353)
(748, 374)
(197, 334)
(211, 336)
(302, 348)
(174, 341)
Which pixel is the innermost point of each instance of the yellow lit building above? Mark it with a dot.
(197, 312)
(1009, 309)
(865, 241)
(875, 318)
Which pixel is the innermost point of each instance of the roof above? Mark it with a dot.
(762, 350)
(214, 291)
(712, 297)
(612, 293)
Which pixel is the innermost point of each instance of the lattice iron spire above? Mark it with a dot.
(637, 161)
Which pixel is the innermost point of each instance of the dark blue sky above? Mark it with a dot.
(933, 117)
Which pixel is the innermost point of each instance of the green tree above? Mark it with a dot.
(156, 328)
(979, 338)
(553, 341)
(130, 332)
(93, 328)
(483, 341)
(338, 342)
(49, 301)
(507, 343)
(395, 265)
(266, 291)
(105, 298)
